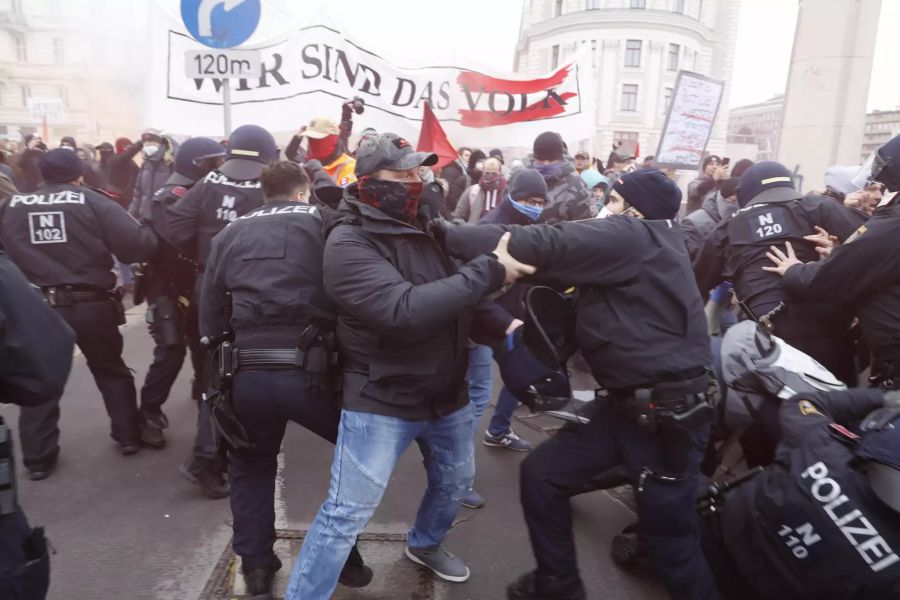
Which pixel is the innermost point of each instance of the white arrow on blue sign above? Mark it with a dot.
(220, 23)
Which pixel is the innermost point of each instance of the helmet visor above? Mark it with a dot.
(868, 173)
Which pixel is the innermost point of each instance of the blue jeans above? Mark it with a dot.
(368, 448)
(501, 422)
(480, 377)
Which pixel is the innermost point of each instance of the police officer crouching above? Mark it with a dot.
(222, 196)
(63, 237)
(821, 522)
(263, 284)
(642, 330)
(167, 283)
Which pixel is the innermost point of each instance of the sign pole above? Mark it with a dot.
(226, 104)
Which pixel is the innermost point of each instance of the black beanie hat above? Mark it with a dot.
(70, 141)
(527, 183)
(548, 146)
(708, 159)
(651, 192)
(60, 166)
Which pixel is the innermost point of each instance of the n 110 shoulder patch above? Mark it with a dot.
(47, 227)
(768, 224)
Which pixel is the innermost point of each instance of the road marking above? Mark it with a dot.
(281, 521)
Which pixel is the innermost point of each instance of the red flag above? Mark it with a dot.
(433, 139)
(637, 149)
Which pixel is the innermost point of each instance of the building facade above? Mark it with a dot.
(637, 48)
(96, 79)
(757, 124)
(880, 127)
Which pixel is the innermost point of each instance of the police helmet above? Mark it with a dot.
(879, 453)
(882, 166)
(194, 160)
(533, 359)
(250, 148)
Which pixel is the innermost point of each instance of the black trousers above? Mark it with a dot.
(168, 359)
(97, 335)
(265, 401)
(668, 528)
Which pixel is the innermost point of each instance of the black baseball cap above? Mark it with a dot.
(390, 151)
(767, 181)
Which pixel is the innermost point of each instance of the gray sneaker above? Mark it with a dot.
(442, 562)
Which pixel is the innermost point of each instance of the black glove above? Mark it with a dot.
(438, 228)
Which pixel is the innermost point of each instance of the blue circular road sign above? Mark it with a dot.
(220, 23)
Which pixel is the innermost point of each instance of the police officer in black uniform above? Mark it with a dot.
(772, 211)
(265, 270)
(63, 237)
(642, 330)
(167, 283)
(218, 199)
(864, 271)
(821, 522)
(36, 345)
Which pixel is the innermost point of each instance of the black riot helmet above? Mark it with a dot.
(882, 166)
(250, 148)
(194, 159)
(533, 359)
(878, 454)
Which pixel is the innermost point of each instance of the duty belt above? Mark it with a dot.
(66, 295)
(645, 404)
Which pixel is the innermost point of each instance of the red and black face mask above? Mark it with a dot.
(396, 199)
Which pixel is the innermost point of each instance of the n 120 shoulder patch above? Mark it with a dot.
(769, 224)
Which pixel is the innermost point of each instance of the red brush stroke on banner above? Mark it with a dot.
(533, 112)
(477, 82)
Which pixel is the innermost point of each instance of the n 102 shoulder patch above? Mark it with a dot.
(47, 227)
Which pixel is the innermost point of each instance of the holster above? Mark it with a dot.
(674, 410)
(8, 502)
(163, 313)
(221, 407)
(318, 355)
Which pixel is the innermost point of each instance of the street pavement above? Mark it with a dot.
(130, 528)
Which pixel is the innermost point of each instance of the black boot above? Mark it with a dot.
(152, 425)
(355, 573)
(626, 546)
(203, 472)
(259, 580)
(533, 586)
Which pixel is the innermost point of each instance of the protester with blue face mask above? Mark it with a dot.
(568, 197)
(525, 201)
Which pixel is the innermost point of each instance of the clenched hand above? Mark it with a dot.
(514, 269)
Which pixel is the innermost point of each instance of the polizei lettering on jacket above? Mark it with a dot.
(216, 177)
(63, 197)
(858, 530)
(281, 210)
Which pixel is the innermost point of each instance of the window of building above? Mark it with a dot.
(633, 53)
(21, 48)
(700, 10)
(674, 51)
(554, 58)
(679, 6)
(17, 6)
(667, 100)
(593, 4)
(59, 55)
(629, 141)
(3, 88)
(26, 94)
(63, 94)
(559, 7)
(638, 3)
(629, 97)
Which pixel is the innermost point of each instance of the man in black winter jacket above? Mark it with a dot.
(404, 311)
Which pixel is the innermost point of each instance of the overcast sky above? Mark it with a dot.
(484, 32)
